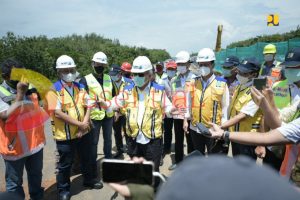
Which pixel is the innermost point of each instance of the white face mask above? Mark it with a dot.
(181, 69)
(171, 73)
(269, 57)
(292, 75)
(242, 79)
(227, 72)
(115, 78)
(204, 70)
(70, 77)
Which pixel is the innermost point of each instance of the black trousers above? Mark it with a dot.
(200, 142)
(150, 151)
(168, 129)
(66, 151)
(117, 126)
(246, 150)
(179, 141)
(272, 160)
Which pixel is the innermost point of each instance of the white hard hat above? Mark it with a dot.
(65, 61)
(141, 64)
(206, 55)
(182, 57)
(100, 57)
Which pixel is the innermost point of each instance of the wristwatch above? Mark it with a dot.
(226, 136)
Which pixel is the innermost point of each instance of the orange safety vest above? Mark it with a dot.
(22, 134)
(292, 151)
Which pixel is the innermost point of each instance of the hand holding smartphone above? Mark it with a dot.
(260, 83)
(116, 171)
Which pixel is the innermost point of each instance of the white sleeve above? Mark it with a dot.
(225, 104)
(3, 106)
(250, 108)
(291, 131)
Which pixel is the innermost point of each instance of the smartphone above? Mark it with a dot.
(260, 83)
(115, 171)
(203, 129)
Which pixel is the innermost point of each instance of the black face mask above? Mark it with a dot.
(13, 84)
(99, 70)
(127, 75)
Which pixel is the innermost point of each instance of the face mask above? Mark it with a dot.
(159, 69)
(115, 78)
(204, 70)
(171, 73)
(139, 81)
(181, 69)
(242, 79)
(227, 72)
(70, 77)
(98, 70)
(127, 76)
(292, 75)
(268, 57)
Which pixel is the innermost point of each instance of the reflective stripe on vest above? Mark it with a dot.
(4, 91)
(96, 91)
(239, 100)
(207, 102)
(151, 125)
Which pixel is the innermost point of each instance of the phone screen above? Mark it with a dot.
(259, 83)
(119, 171)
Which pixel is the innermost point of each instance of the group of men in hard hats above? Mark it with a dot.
(144, 103)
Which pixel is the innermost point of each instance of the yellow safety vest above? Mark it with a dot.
(70, 105)
(282, 94)
(152, 121)
(239, 100)
(207, 102)
(96, 92)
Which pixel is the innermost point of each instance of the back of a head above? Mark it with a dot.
(7, 65)
(219, 177)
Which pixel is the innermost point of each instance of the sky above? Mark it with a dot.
(173, 25)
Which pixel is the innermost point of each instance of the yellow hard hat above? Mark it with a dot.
(270, 48)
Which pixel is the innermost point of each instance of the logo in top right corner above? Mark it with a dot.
(273, 20)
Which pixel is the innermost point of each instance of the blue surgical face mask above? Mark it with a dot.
(227, 72)
(171, 73)
(115, 78)
(139, 81)
(292, 75)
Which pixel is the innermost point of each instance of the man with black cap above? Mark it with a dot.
(244, 113)
(159, 72)
(230, 72)
(119, 120)
(218, 177)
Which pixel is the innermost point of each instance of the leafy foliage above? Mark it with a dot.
(267, 38)
(39, 53)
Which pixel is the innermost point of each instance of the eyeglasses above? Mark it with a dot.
(67, 70)
(139, 75)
